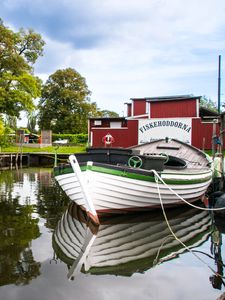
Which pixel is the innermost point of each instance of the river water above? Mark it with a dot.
(49, 250)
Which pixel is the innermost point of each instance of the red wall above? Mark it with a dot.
(123, 137)
(128, 109)
(139, 107)
(173, 109)
(200, 132)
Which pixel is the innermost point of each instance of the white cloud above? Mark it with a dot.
(126, 48)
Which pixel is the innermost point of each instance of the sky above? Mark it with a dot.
(126, 48)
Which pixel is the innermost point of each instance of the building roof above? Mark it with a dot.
(107, 118)
(168, 98)
(206, 112)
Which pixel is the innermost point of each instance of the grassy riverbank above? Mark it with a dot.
(50, 149)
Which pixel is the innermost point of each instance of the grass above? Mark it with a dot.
(50, 149)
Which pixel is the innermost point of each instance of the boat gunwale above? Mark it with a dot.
(138, 174)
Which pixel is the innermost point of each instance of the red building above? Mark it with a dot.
(147, 119)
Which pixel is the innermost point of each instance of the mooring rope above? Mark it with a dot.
(174, 235)
(175, 193)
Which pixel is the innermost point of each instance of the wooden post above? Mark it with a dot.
(21, 155)
(11, 161)
(21, 149)
(28, 159)
(213, 139)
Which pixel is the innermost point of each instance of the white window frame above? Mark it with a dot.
(97, 122)
(115, 124)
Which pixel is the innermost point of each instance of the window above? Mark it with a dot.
(115, 125)
(97, 122)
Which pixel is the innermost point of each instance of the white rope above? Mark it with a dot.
(175, 193)
(173, 234)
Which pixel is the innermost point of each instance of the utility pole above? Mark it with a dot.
(219, 83)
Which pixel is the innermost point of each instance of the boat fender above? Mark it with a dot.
(108, 139)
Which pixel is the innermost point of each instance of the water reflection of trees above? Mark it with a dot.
(19, 224)
(51, 200)
(17, 229)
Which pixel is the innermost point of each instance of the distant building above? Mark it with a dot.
(180, 117)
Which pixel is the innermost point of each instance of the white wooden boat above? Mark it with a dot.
(125, 244)
(116, 180)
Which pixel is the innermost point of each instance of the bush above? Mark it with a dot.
(5, 138)
(81, 138)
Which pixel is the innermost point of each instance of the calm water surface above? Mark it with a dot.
(44, 242)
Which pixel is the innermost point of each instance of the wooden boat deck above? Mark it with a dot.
(194, 158)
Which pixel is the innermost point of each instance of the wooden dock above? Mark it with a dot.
(11, 160)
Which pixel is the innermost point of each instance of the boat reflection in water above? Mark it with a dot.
(126, 244)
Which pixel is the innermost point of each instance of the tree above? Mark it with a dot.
(65, 104)
(108, 114)
(10, 121)
(18, 85)
(32, 121)
(208, 103)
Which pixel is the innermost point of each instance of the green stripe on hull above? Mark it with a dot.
(66, 170)
(126, 174)
(150, 178)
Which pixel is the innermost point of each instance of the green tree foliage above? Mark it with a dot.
(2, 127)
(208, 103)
(65, 104)
(5, 130)
(108, 114)
(18, 85)
(32, 121)
(10, 121)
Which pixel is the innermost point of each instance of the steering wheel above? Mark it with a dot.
(135, 162)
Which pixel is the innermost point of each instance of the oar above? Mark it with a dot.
(76, 266)
(77, 171)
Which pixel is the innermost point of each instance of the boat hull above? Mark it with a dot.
(114, 190)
